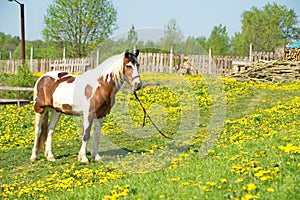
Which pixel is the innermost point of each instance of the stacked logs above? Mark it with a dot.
(273, 72)
(292, 54)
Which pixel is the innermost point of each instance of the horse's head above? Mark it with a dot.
(131, 72)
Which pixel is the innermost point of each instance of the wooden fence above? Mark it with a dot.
(75, 65)
(194, 64)
(149, 62)
(256, 56)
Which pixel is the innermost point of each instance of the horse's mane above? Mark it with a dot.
(111, 64)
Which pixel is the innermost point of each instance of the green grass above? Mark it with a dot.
(254, 155)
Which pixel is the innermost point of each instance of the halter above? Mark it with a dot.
(138, 76)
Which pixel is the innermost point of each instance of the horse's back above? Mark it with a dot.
(47, 86)
(54, 76)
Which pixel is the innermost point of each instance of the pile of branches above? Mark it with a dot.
(292, 54)
(269, 71)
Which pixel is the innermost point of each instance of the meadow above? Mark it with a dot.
(229, 140)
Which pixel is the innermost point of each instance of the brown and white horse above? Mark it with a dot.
(91, 94)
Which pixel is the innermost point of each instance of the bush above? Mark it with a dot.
(23, 78)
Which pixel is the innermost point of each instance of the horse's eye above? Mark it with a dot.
(128, 66)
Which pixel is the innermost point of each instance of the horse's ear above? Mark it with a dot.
(127, 53)
(137, 52)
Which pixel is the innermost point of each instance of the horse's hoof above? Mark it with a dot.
(33, 158)
(83, 159)
(98, 158)
(51, 158)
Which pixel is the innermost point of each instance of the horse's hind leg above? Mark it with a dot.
(39, 118)
(48, 149)
(97, 130)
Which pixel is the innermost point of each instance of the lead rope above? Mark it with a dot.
(146, 115)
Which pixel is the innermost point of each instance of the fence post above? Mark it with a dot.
(64, 53)
(64, 60)
(31, 59)
(83, 65)
(171, 60)
(181, 60)
(161, 62)
(250, 53)
(209, 60)
(97, 58)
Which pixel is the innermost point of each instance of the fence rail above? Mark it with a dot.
(18, 101)
(149, 62)
(10, 88)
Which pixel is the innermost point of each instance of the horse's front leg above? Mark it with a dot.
(87, 124)
(97, 131)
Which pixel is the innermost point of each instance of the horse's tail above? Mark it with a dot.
(44, 130)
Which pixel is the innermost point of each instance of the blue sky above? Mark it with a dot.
(194, 17)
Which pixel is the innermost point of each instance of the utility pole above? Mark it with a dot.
(22, 28)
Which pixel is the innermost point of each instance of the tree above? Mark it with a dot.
(41, 50)
(191, 46)
(7, 44)
(79, 25)
(172, 36)
(219, 40)
(132, 35)
(238, 47)
(202, 41)
(273, 25)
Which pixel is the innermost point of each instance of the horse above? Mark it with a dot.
(91, 95)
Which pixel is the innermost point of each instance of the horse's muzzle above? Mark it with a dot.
(136, 86)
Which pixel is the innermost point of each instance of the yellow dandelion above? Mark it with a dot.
(240, 180)
(224, 180)
(211, 183)
(249, 197)
(205, 188)
(185, 183)
(175, 179)
(251, 186)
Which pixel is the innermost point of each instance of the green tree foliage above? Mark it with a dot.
(219, 40)
(191, 46)
(273, 25)
(132, 35)
(117, 45)
(40, 50)
(172, 36)
(202, 41)
(8, 43)
(79, 25)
